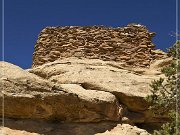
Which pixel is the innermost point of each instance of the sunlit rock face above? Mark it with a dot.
(131, 45)
(89, 80)
(29, 96)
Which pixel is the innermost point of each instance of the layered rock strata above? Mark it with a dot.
(29, 96)
(72, 91)
(131, 45)
(129, 88)
(92, 80)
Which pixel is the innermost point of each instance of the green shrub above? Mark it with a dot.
(166, 93)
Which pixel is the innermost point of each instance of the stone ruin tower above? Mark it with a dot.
(131, 45)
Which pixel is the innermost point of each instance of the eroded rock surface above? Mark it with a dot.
(85, 81)
(93, 74)
(29, 96)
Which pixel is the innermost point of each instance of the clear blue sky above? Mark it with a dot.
(24, 19)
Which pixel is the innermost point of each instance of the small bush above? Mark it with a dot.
(165, 97)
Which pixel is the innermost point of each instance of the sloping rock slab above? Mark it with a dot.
(128, 87)
(29, 96)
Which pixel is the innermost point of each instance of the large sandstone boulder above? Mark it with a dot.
(93, 74)
(28, 96)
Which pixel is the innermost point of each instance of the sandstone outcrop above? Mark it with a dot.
(93, 74)
(89, 80)
(131, 45)
(29, 96)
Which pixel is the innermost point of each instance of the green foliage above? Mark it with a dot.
(166, 93)
(170, 128)
(174, 50)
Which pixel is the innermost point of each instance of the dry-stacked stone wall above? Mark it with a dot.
(131, 44)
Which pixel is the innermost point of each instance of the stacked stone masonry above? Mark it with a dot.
(131, 45)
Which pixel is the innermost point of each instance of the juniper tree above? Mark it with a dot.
(166, 93)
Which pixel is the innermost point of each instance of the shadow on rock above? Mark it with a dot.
(58, 128)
